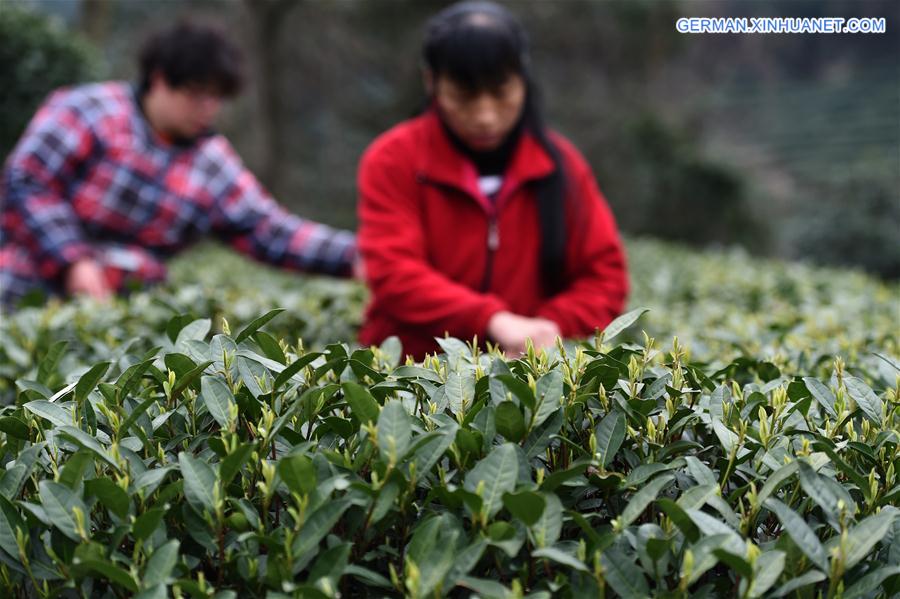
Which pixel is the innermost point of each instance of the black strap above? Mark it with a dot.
(550, 194)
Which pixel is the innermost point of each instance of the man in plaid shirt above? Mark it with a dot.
(110, 179)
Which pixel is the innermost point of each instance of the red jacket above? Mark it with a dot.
(424, 239)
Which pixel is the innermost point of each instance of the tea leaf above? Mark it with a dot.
(161, 563)
(82, 439)
(776, 479)
(50, 361)
(623, 575)
(111, 572)
(393, 432)
(363, 405)
(510, 421)
(293, 368)
(643, 498)
(14, 427)
(199, 482)
(622, 322)
(234, 461)
(818, 491)
(110, 495)
(460, 391)
(868, 584)
(147, 523)
(560, 557)
(766, 570)
(88, 381)
(540, 438)
(218, 399)
(865, 398)
(52, 412)
(548, 527)
(60, 502)
(198, 329)
(822, 394)
(610, 434)
(811, 577)
(868, 533)
(548, 397)
(800, 532)
(318, 525)
(428, 454)
(519, 389)
(298, 473)
(527, 506)
(10, 522)
(498, 473)
(257, 324)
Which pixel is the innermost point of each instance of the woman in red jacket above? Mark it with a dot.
(475, 220)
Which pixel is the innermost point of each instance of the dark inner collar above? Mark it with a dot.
(490, 162)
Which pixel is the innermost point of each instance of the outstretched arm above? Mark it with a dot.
(246, 217)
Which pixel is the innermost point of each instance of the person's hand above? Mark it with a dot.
(359, 268)
(86, 277)
(545, 334)
(511, 331)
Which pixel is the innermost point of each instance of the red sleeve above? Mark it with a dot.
(596, 269)
(392, 244)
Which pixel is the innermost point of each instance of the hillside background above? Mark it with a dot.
(786, 145)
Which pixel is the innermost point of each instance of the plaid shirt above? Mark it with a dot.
(89, 178)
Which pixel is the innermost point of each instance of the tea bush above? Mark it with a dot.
(152, 448)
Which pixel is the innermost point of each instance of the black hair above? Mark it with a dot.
(192, 54)
(479, 45)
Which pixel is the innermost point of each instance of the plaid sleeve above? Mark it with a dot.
(37, 173)
(252, 222)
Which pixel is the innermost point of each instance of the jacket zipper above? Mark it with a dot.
(493, 234)
(493, 243)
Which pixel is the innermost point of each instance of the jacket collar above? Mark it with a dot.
(443, 163)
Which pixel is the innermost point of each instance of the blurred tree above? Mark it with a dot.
(267, 18)
(852, 220)
(664, 186)
(94, 20)
(699, 138)
(36, 56)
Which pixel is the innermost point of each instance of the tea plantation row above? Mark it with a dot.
(185, 442)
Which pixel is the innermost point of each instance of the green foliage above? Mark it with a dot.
(152, 446)
(36, 57)
(660, 184)
(349, 478)
(851, 220)
(724, 305)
